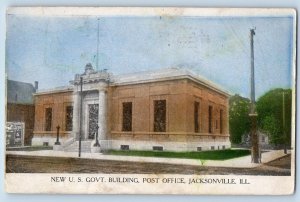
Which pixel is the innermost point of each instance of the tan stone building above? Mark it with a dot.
(171, 109)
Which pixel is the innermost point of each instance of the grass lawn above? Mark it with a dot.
(29, 148)
(203, 155)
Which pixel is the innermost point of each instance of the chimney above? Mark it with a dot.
(36, 85)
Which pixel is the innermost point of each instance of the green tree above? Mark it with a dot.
(270, 115)
(239, 122)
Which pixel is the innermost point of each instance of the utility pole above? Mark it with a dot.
(255, 156)
(80, 119)
(283, 123)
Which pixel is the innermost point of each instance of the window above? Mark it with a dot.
(196, 116)
(48, 119)
(69, 118)
(93, 120)
(221, 121)
(127, 116)
(210, 119)
(124, 147)
(157, 148)
(160, 115)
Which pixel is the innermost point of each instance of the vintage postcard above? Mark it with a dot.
(105, 100)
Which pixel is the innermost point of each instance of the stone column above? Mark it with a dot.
(76, 114)
(102, 117)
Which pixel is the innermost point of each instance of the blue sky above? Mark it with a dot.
(52, 49)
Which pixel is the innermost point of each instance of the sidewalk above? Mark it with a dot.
(241, 162)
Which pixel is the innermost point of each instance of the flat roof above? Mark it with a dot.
(165, 74)
(60, 89)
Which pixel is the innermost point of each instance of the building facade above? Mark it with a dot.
(20, 111)
(171, 109)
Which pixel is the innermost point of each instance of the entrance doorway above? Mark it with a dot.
(93, 120)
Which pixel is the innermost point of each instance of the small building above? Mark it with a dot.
(170, 109)
(263, 140)
(20, 112)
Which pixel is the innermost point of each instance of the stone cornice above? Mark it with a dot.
(99, 80)
(166, 74)
(55, 90)
(206, 84)
(91, 76)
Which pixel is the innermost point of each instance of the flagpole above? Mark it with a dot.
(97, 65)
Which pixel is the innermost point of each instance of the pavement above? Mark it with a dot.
(241, 162)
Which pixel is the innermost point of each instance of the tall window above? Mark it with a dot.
(196, 116)
(210, 119)
(93, 120)
(69, 118)
(160, 115)
(221, 121)
(127, 116)
(48, 119)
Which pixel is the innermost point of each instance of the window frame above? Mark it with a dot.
(210, 119)
(221, 121)
(164, 117)
(66, 118)
(131, 117)
(196, 116)
(48, 126)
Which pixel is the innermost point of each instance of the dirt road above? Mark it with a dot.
(29, 164)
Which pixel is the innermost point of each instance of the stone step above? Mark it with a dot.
(73, 150)
(74, 147)
(76, 150)
(83, 142)
(83, 145)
